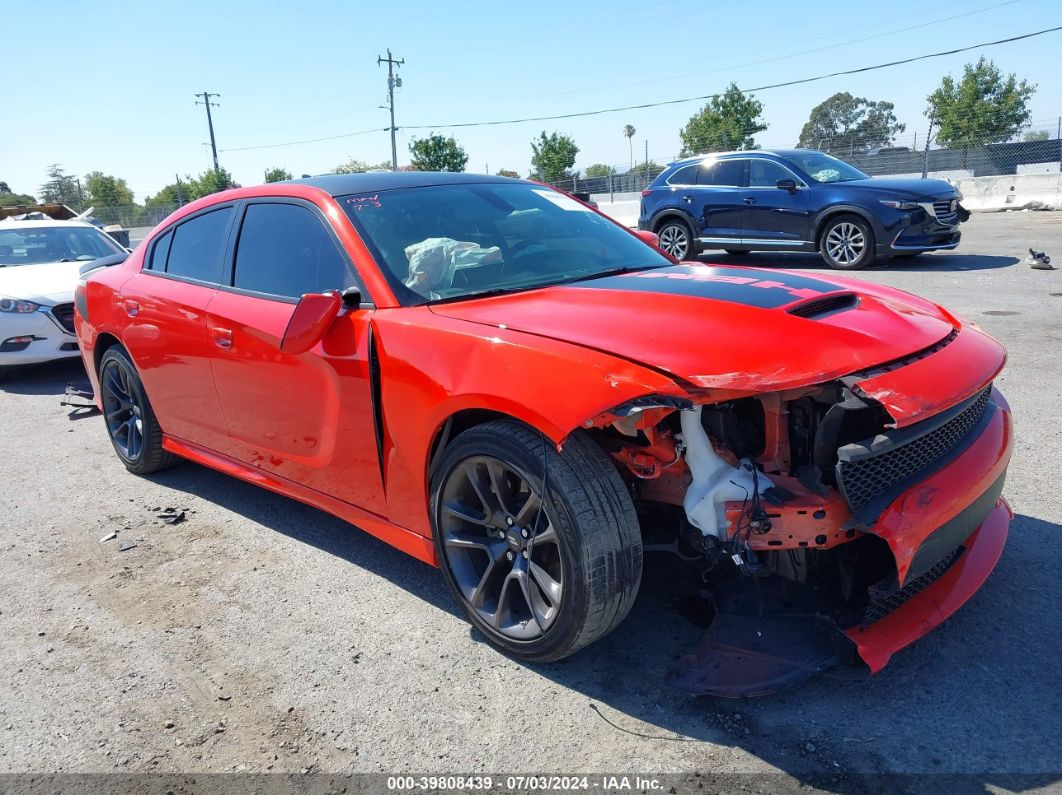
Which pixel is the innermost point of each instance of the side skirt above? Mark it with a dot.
(406, 540)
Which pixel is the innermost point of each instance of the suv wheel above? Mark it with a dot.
(541, 549)
(847, 243)
(676, 238)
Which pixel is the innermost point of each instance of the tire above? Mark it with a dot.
(127, 414)
(846, 243)
(736, 252)
(676, 238)
(584, 537)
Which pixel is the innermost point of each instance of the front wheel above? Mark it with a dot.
(676, 238)
(541, 549)
(847, 243)
(131, 425)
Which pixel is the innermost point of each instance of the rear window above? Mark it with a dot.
(687, 175)
(198, 247)
(723, 173)
(157, 261)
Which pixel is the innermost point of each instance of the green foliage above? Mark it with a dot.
(354, 166)
(106, 190)
(640, 168)
(179, 193)
(277, 175)
(552, 157)
(729, 121)
(11, 199)
(437, 153)
(846, 125)
(507, 173)
(984, 106)
(599, 170)
(1038, 135)
(61, 188)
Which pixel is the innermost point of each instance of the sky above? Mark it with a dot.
(110, 86)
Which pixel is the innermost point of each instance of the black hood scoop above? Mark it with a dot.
(827, 305)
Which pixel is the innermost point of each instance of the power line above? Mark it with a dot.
(773, 59)
(745, 90)
(305, 140)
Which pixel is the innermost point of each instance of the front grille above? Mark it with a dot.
(822, 306)
(64, 313)
(881, 606)
(874, 470)
(945, 213)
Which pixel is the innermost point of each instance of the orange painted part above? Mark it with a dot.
(929, 608)
(406, 540)
(942, 495)
(800, 523)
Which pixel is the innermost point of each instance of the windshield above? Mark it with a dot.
(34, 245)
(454, 241)
(823, 168)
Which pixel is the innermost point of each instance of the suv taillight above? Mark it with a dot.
(646, 192)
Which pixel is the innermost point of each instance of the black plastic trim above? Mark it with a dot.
(375, 397)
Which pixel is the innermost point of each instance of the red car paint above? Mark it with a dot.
(556, 358)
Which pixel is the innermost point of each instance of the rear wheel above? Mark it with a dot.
(847, 243)
(131, 425)
(541, 549)
(676, 238)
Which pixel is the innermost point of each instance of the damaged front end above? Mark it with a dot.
(828, 523)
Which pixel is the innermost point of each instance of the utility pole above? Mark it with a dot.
(392, 83)
(210, 122)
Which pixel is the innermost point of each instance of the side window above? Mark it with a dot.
(198, 246)
(724, 173)
(285, 250)
(765, 173)
(687, 175)
(157, 261)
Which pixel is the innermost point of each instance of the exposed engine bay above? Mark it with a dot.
(773, 499)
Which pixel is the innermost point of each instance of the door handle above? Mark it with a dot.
(132, 308)
(687, 199)
(222, 337)
(749, 200)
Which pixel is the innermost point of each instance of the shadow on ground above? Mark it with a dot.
(982, 688)
(926, 262)
(50, 378)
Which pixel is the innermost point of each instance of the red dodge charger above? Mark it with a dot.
(499, 380)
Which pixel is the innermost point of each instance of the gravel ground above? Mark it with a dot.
(263, 635)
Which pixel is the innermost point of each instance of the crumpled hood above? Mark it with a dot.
(905, 187)
(717, 327)
(49, 283)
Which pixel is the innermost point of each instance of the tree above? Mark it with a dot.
(354, 166)
(845, 125)
(1038, 135)
(640, 168)
(61, 188)
(983, 107)
(552, 157)
(437, 153)
(211, 181)
(628, 130)
(507, 173)
(11, 199)
(599, 170)
(727, 122)
(277, 175)
(105, 190)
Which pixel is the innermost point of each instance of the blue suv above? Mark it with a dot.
(798, 200)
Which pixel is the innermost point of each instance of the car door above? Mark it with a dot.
(306, 417)
(774, 216)
(166, 333)
(717, 201)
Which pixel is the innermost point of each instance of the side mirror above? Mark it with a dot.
(786, 185)
(652, 238)
(313, 316)
(351, 298)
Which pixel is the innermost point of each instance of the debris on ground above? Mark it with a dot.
(109, 537)
(1038, 260)
(126, 545)
(172, 515)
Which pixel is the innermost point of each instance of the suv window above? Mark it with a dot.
(157, 261)
(724, 173)
(766, 173)
(285, 250)
(198, 246)
(687, 175)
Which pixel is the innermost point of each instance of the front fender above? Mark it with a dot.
(432, 367)
(838, 209)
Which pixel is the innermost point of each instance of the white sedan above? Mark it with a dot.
(39, 262)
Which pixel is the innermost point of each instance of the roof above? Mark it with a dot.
(7, 223)
(744, 153)
(345, 184)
